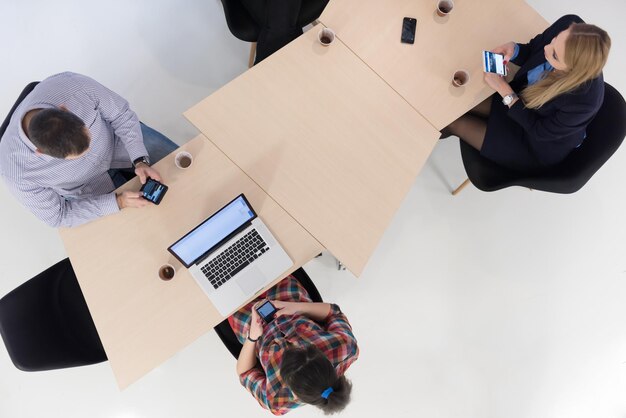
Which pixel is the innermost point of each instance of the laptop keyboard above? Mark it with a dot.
(235, 258)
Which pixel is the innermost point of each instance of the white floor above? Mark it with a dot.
(486, 305)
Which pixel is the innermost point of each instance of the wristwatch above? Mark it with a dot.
(508, 99)
(143, 159)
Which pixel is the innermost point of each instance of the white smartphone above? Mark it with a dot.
(494, 63)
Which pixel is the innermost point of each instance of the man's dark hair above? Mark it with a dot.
(58, 133)
(308, 373)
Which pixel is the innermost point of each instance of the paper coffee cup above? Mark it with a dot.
(444, 7)
(326, 36)
(167, 272)
(460, 78)
(183, 160)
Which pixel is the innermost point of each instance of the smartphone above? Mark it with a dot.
(494, 63)
(153, 191)
(408, 30)
(267, 311)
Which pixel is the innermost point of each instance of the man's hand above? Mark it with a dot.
(130, 199)
(143, 171)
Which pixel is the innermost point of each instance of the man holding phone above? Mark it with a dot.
(67, 145)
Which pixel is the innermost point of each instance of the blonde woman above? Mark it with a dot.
(541, 116)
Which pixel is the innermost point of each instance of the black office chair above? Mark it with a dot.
(46, 325)
(242, 25)
(269, 24)
(310, 11)
(24, 93)
(225, 332)
(605, 134)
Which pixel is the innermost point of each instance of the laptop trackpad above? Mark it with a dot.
(251, 280)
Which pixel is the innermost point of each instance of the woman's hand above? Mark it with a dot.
(286, 308)
(256, 324)
(496, 82)
(499, 84)
(506, 49)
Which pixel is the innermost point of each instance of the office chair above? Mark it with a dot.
(605, 134)
(269, 24)
(242, 25)
(46, 325)
(225, 332)
(24, 93)
(310, 11)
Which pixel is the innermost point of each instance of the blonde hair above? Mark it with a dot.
(586, 51)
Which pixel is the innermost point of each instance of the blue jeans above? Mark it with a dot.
(158, 146)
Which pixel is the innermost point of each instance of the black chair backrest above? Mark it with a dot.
(605, 134)
(310, 10)
(228, 337)
(24, 93)
(46, 325)
(240, 22)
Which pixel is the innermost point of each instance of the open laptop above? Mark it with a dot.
(232, 255)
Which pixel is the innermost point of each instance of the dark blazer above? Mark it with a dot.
(529, 139)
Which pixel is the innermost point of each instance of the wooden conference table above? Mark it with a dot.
(325, 137)
(422, 73)
(141, 319)
(325, 141)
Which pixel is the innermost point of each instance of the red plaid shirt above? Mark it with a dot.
(333, 336)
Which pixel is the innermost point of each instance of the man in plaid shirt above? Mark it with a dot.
(298, 358)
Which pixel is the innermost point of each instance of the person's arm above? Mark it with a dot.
(115, 109)
(567, 120)
(54, 210)
(57, 212)
(500, 85)
(539, 41)
(247, 358)
(317, 311)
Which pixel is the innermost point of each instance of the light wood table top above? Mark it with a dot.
(325, 137)
(142, 320)
(422, 72)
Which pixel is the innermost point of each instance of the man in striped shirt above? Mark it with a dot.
(66, 145)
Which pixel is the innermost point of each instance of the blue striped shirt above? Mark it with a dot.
(65, 193)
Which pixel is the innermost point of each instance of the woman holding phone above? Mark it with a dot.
(536, 120)
(300, 357)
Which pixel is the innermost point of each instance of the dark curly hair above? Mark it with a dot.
(308, 373)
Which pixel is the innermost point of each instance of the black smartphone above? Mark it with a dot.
(267, 311)
(153, 191)
(409, 25)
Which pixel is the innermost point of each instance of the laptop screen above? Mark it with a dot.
(212, 232)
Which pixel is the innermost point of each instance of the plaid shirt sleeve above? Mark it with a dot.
(268, 391)
(337, 324)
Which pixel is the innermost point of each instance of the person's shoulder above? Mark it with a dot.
(567, 20)
(13, 161)
(67, 81)
(591, 88)
(563, 23)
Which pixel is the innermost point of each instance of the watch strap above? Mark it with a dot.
(144, 159)
(506, 100)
